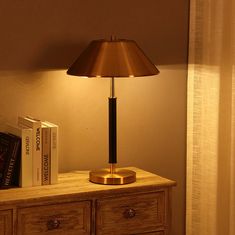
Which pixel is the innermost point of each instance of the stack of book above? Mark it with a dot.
(38, 164)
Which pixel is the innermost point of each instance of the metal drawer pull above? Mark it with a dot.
(53, 224)
(129, 213)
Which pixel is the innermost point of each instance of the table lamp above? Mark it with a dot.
(114, 58)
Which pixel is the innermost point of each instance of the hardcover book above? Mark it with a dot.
(54, 151)
(46, 155)
(10, 147)
(37, 146)
(26, 163)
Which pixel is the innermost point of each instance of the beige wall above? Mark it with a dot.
(39, 39)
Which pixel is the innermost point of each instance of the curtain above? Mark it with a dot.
(210, 206)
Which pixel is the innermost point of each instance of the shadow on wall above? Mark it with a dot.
(51, 57)
(57, 56)
(61, 55)
(44, 35)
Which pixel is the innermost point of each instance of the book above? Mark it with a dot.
(54, 151)
(46, 154)
(10, 150)
(26, 162)
(5, 145)
(36, 146)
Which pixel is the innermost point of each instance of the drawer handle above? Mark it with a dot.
(53, 224)
(129, 213)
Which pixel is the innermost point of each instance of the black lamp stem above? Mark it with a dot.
(112, 125)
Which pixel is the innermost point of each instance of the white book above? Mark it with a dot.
(26, 166)
(37, 146)
(54, 151)
(46, 154)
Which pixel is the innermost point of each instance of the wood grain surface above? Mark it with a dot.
(6, 222)
(75, 206)
(153, 233)
(57, 219)
(77, 182)
(131, 214)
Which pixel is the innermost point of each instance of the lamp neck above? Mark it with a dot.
(112, 88)
(112, 126)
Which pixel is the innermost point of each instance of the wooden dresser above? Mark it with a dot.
(77, 207)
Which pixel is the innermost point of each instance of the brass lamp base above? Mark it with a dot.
(117, 176)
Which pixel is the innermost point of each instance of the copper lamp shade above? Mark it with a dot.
(114, 58)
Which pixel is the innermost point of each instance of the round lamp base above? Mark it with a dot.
(120, 176)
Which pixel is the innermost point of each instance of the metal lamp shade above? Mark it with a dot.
(118, 58)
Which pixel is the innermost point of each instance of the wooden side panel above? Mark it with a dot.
(6, 222)
(135, 214)
(168, 211)
(59, 219)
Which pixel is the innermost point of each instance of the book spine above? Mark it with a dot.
(36, 150)
(9, 171)
(5, 146)
(54, 155)
(46, 139)
(26, 171)
(26, 161)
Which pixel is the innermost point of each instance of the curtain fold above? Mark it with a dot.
(211, 119)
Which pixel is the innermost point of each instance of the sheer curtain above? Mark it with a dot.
(211, 119)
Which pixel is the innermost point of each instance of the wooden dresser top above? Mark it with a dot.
(77, 183)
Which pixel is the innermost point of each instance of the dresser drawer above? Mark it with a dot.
(6, 222)
(66, 218)
(134, 214)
